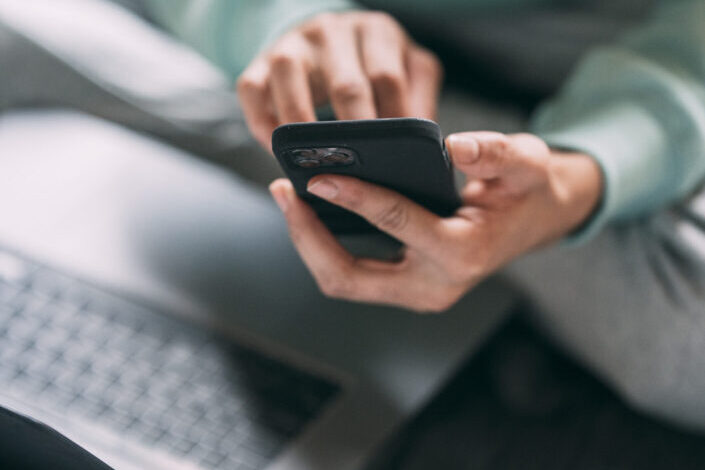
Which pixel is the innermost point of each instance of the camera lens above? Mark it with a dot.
(307, 162)
(338, 156)
(304, 153)
(305, 158)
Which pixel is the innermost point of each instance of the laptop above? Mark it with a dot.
(153, 311)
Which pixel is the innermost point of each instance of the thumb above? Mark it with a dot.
(483, 155)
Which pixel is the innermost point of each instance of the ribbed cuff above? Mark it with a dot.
(627, 142)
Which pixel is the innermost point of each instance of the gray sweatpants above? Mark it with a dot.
(631, 305)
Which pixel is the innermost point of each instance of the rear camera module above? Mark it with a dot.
(322, 157)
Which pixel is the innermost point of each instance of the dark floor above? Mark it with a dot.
(520, 404)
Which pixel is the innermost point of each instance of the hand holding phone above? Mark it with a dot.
(520, 195)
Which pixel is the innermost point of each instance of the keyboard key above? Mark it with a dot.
(13, 270)
(213, 459)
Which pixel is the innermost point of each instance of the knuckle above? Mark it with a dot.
(387, 81)
(246, 84)
(315, 34)
(393, 218)
(502, 142)
(282, 60)
(349, 90)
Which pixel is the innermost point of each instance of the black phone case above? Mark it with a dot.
(404, 154)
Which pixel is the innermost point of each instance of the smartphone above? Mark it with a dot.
(406, 155)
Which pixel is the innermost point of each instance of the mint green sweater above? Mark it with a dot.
(636, 106)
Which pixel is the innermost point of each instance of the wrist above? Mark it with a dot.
(577, 183)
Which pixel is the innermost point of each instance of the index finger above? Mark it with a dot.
(340, 275)
(348, 89)
(387, 210)
(383, 50)
(256, 101)
(425, 77)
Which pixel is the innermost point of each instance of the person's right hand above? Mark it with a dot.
(362, 63)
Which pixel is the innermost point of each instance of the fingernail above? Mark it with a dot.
(467, 154)
(281, 199)
(323, 188)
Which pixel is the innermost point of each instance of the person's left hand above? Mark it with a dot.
(519, 195)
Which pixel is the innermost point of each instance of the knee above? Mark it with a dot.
(662, 386)
(646, 392)
(630, 304)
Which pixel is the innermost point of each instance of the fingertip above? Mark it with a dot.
(314, 179)
(279, 184)
(323, 187)
(464, 148)
(340, 189)
(283, 193)
(338, 180)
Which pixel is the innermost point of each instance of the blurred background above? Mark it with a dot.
(518, 403)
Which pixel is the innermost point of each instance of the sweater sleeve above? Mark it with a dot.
(231, 32)
(638, 108)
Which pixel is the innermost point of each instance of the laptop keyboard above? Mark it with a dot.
(70, 348)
